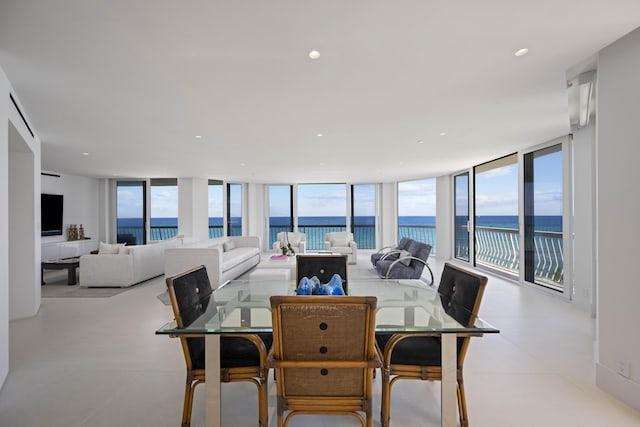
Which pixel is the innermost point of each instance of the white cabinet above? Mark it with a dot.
(67, 249)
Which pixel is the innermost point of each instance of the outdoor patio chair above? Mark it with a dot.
(324, 355)
(242, 356)
(418, 356)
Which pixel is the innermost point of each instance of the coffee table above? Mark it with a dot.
(69, 264)
(286, 262)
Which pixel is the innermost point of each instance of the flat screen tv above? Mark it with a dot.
(51, 206)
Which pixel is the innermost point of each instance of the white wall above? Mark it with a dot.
(24, 294)
(22, 188)
(584, 219)
(389, 213)
(444, 217)
(81, 203)
(4, 227)
(618, 210)
(193, 199)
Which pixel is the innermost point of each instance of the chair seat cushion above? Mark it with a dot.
(234, 351)
(420, 351)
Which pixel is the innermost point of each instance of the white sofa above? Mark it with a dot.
(132, 265)
(225, 258)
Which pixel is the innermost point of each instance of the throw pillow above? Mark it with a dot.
(406, 261)
(340, 242)
(109, 248)
(123, 250)
(228, 245)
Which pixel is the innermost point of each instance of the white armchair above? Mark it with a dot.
(298, 241)
(341, 242)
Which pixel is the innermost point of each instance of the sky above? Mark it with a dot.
(496, 194)
(497, 189)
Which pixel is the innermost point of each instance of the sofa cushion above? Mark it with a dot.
(237, 256)
(109, 248)
(228, 245)
(340, 242)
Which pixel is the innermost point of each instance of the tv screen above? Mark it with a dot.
(51, 214)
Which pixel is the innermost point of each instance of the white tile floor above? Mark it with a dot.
(96, 362)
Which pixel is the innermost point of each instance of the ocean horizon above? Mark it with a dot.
(541, 222)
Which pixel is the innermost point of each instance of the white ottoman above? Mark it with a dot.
(270, 274)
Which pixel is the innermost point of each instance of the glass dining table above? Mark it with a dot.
(403, 306)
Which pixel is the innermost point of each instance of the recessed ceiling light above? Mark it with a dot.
(521, 52)
(443, 133)
(85, 154)
(420, 141)
(314, 54)
(319, 134)
(198, 136)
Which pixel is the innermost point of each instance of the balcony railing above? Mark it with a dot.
(364, 235)
(421, 233)
(500, 248)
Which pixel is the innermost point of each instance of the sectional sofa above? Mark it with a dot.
(225, 258)
(127, 265)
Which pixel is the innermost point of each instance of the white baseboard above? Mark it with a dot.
(618, 386)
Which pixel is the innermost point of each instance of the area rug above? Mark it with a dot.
(76, 291)
(56, 287)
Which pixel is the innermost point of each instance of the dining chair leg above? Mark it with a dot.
(188, 403)
(385, 406)
(462, 403)
(263, 398)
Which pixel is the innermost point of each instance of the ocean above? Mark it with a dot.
(541, 222)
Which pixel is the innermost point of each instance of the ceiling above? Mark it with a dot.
(132, 83)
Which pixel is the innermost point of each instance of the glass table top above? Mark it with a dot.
(409, 306)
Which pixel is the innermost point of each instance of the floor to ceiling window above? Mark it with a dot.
(543, 198)
(461, 216)
(417, 211)
(280, 210)
(322, 208)
(497, 243)
(163, 201)
(363, 215)
(234, 209)
(131, 212)
(215, 208)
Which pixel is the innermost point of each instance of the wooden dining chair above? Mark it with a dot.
(324, 355)
(418, 356)
(242, 356)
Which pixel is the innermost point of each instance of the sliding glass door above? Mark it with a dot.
(497, 239)
(543, 249)
(131, 212)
